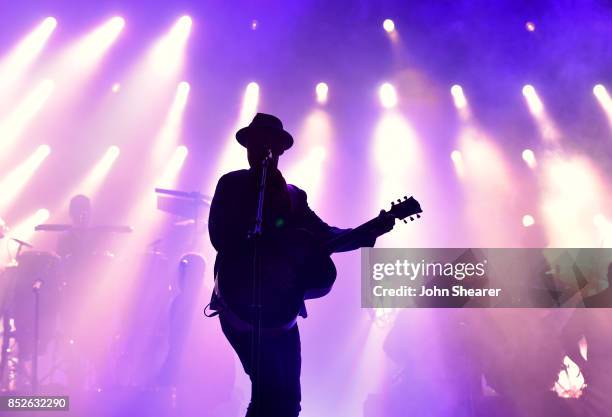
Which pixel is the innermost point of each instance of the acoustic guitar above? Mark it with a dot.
(294, 267)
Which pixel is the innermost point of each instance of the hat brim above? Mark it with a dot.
(246, 133)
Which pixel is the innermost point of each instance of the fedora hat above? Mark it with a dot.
(265, 126)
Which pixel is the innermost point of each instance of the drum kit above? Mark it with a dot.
(37, 288)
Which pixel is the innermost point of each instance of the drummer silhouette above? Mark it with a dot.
(77, 240)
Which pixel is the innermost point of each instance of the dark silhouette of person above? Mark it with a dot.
(190, 279)
(77, 241)
(276, 387)
(78, 248)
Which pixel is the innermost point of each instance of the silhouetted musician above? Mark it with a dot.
(286, 211)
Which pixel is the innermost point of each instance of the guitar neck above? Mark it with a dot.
(344, 239)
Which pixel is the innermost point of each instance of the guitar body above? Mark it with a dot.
(293, 269)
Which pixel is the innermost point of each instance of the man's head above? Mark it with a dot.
(80, 210)
(264, 134)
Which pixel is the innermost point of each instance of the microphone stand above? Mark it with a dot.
(255, 237)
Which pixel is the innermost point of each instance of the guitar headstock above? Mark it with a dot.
(408, 207)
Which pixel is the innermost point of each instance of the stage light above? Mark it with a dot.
(387, 95)
(254, 24)
(315, 137)
(533, 101)
(13, 183)
(528, 220)
(233, 155)
(322, 90)
(15, 64)
(249, 103)
(530, 26)
(529, 158)
(182, 92)
(600, 91)
(398, 163)
(389, 25)
(184, 25)
(572, 189)
(16, 122)
(604, 100)
(91, 183)
(485, 171)
(545, 125)
(116, 87)
(457, 159)
(170, 174)
(458, 97)
(88, 52)
(170, 131)
(25, 229)
(168, 53)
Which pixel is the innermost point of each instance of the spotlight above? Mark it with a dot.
(116, 87)
(184, 24)
(171, 129)
(322, 90)
(90, 50)
(528, 90)
(458, 97)
(252, 88)
(458, 164)
(529, 158)
(182, 91)
(604, 100)
(173, 167)
(533, 101)
(14, 65)
(14, 182)
(12, 126)
(528, 220)
(530, 26)
(168, 53)
(389, 25)
(249, 103)
(387, 95)
(254, 24)
(600, 91)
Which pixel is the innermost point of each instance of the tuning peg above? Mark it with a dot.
(418, 216)
(405, 221)
(393, 203)
(399, 200)
(411, 219)
(405, 197)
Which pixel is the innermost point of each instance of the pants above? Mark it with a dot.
(279, 371)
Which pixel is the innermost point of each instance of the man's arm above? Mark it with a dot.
(224, 225)
(322, 231)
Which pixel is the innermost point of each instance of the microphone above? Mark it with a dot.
(268, 157)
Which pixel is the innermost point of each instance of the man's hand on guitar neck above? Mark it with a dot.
(384, 224)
